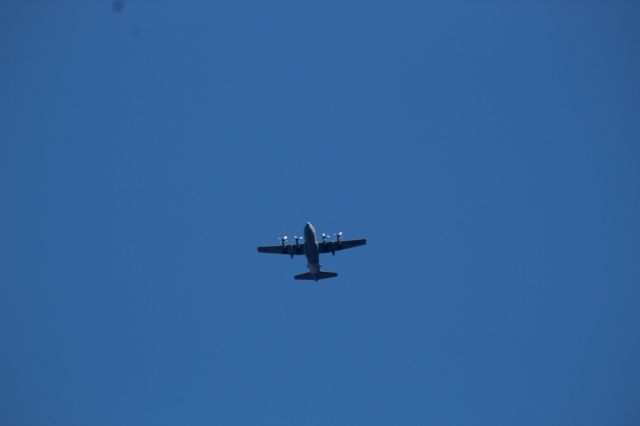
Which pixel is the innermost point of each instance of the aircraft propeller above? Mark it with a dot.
(283, 240)
(297, 239)
(338, 236)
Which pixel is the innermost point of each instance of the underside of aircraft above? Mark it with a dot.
(312, 249)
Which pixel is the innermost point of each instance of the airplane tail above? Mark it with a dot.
(320, 276)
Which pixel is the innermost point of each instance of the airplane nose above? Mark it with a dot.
(308, 225)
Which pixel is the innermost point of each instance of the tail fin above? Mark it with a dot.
(320, 276)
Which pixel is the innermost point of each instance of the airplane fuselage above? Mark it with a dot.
(311, 249)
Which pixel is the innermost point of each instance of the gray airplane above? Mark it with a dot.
(312, 249)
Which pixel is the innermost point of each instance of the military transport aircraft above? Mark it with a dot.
(312, 249)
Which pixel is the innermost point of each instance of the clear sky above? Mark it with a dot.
(488, 151)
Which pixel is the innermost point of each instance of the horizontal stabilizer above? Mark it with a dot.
(320, 276)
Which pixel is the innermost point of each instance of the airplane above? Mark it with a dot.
(312, 249)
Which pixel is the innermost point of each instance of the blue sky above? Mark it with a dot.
(487, 150)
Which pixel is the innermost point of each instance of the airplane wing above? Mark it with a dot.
(290, 249)
(333, 246)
